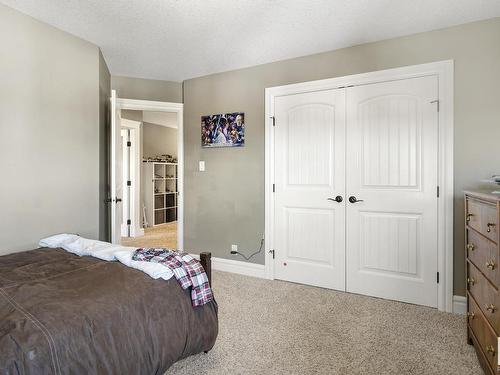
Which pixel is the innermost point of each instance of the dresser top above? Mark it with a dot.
(483, 194)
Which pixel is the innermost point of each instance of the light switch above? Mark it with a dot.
(202, 166)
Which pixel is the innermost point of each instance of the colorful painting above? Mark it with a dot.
(226, 130)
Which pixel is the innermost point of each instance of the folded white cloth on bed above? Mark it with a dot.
(98, 249)
(81, 246)
(105, 251)
(125, 257)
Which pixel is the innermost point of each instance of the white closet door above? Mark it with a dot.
(309, 171)
(392, 148)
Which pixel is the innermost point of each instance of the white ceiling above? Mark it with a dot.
(180, 39)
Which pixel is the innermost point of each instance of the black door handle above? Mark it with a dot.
(118, 200)
(353, 199)
(337, 199)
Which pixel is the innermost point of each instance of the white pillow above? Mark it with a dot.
(84, 246)
(58, 240)
(81, 246)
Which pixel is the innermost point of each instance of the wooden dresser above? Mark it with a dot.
(483, 276)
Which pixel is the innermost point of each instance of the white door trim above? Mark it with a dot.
(126, 201)
(178, 108)
(444, 70)
(136, 229)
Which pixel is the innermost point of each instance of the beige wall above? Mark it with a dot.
(147, 89)
(225, 204)
(158, 140)
(104, 134)
(49, 132)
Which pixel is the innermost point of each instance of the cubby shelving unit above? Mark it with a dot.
(160, 184)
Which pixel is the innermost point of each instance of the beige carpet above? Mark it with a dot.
(164, 235)
(273, 327)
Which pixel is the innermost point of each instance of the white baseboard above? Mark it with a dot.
(237, 266)
(134, 232)
(137, 232)
(258, 270)
(459, 305)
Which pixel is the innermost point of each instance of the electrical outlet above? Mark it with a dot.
(234, 247)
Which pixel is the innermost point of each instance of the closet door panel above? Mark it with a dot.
(392, 143)
(309, 172)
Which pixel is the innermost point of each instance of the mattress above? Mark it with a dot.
(61, 313)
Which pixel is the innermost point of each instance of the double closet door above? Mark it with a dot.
(355, 189)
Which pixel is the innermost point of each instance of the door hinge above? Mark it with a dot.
(274, 188)
(129, 183)
(437, 102)
(272, 252)
(437, 191)
(129, 222)
(129, 143)
(437, 277)
(274, 120)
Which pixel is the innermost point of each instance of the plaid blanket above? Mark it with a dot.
(188, 271)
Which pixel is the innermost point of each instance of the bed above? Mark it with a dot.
(66, 314)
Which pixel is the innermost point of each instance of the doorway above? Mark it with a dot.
(354, 172)
(157, 183)
(147, 174)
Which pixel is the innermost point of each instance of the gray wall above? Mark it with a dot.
(225, 204)
(147, 89)
(104, 134)
(49, 132)
(158, 140)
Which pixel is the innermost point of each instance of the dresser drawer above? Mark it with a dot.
(485, 295)
(489, 222)
(487, 339)
(483, 217)
(484, 255)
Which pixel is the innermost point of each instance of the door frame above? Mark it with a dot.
(178, 109)
(136, 229)
(125, 195)
(444, 71)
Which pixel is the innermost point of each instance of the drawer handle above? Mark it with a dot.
(468, 217)
(489, 225)
(471, 281)
(470, 246)
(491, 265)
(490, 349)
(470, 315)
(491, 308)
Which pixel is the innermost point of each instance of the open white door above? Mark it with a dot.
(116, 171)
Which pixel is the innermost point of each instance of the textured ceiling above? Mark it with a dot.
(180, 39)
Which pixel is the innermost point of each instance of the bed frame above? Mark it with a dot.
(206, 262)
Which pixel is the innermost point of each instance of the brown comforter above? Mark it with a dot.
(65, 314)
